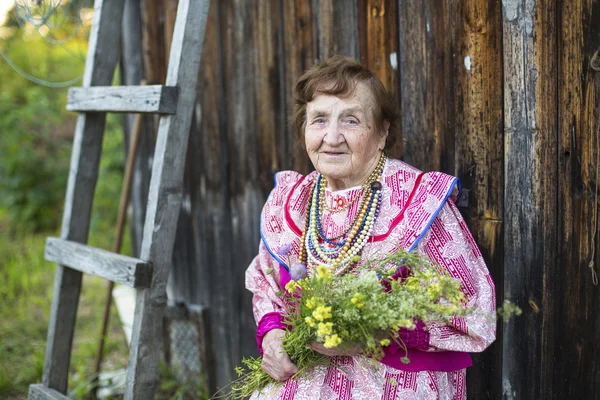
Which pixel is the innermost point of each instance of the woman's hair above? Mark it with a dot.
(338, 76)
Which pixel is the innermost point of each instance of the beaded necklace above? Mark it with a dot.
(317, 249)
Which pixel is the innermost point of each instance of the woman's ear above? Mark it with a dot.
(384, 134)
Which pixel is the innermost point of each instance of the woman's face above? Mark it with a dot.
(340, 137)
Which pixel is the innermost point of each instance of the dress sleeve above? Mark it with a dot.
(262, 279)
(449, 243)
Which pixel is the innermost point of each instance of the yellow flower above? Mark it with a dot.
(323, 271)
(312, 302)
(385, 342)
(332, 341)
(358, 300)
(434, 290)
(324, 328)
(310, 321)
(322, 313)
(291, 286)
(406, 323)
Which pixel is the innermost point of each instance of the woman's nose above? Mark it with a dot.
(334, 135)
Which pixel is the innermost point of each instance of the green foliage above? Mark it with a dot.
(36, 131)
(25, 295)
(33, 165)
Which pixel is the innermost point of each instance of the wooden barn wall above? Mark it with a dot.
(500, 94)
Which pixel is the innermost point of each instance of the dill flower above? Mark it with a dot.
(385, 342)
(358, 300)
(310, 322)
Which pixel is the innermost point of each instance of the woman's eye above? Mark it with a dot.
(319, 121)
(352, 121)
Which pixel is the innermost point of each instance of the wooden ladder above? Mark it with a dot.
(174, 101)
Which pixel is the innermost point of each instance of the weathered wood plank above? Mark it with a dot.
(41, 392)
(123, 99)
(576, 350)
(300, 51)
(475, 92)
(132, 67)
(242, 180)
(203, 244)
(100, 64)
(337, 24)
(378, 39)
(153, 41)
(114, 267)
(164, 200)
(268, 89)
(427, 71)
(530, 203)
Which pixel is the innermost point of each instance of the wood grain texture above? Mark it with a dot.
(124, 99)
(164, 200)
(245, 197)
(576, 319)
(100, 64)
(378, 38)
(132, 67)
(530, 202)
(40, 392)
(300, 52)
(154, 47)
(118, 268)
(478, 142)
(337, 28)
(427, 72)
(202, 245)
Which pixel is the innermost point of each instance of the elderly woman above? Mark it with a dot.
(347, 121)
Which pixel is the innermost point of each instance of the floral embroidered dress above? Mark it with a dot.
(417, 213)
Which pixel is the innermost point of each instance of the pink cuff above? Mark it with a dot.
(417, 338)
(268, 322)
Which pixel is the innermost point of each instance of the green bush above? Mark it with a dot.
(33, 165)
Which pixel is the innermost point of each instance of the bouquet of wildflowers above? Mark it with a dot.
(364, 307)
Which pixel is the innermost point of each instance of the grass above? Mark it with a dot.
(25, 295)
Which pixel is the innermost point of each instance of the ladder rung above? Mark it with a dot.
(125, 99)
(118, 268)
(41, 392)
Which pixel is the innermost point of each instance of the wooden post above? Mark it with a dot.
(478, 138)
(428, 66)
(574, 305)
(300, 51)
(530, 203)
(337, 28)
(378, 38)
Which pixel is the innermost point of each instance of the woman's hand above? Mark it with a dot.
(275, 360)
(350, 350)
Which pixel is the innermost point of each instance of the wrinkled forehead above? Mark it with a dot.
(359, 95)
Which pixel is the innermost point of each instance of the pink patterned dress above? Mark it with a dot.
(417, 213)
